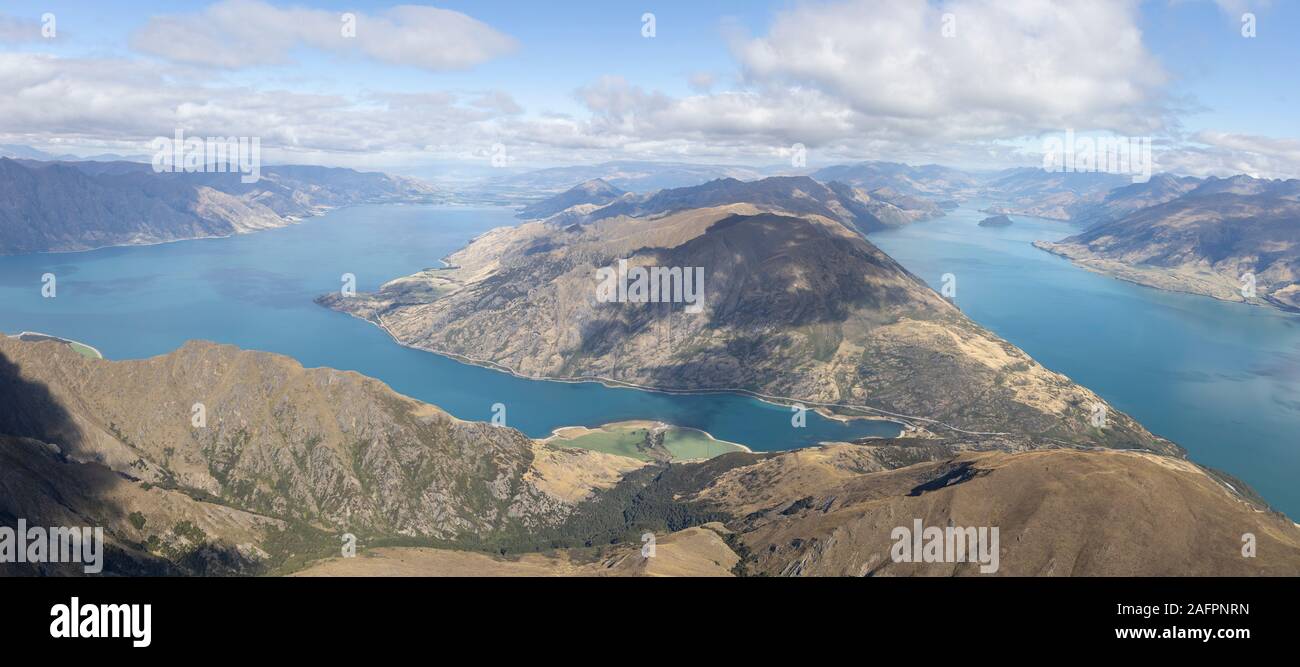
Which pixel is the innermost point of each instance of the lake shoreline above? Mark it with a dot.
(58, 339)
(906, 428)
(1154, 277)
(559, 435)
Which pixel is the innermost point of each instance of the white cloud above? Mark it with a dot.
(859, 79)
(243, 33)
(120, 105)
(1012, 68)
(1225, 154)
(851, 80)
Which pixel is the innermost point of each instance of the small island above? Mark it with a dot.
(996, 221)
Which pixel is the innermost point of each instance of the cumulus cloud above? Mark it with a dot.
(1225, 154)
(1008, 68)
(243, 33)
(881, 78)
(123, 104)
(849, 79)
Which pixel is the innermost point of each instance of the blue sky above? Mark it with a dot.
(719, 82)
(1245, 85)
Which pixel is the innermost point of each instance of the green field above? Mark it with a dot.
(611, 439)
(630, 439)
(80, 348)
(686, 443)
(85, 350)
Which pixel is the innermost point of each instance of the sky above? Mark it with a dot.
(968, 83)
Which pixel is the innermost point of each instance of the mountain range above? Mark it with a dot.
(629, 175)
(794, 195)
(218, 461)
(930, 181)
(69, 206)
(288, 463)
(1236, 239)
(928, 189)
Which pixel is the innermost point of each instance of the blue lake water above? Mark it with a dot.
(256, 291)
(1221, 379)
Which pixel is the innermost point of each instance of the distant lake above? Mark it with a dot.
(1221, 379)
(256, 291)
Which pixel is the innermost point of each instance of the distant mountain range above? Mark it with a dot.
(19, 152)
(1031, 191)
(67, 206)
(929, 181)
(1236, 239)
(594, 193)
(1044, 194)
(628, 175)
(1133, 197)
(794, 195)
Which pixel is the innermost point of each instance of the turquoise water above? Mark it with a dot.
(256, 291)
(1221, 379)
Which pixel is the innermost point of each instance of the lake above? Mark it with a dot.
(256, 291)
(1221, 379)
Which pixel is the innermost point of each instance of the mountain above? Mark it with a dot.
(287, 460)
(595, 192)
(1204, 242)
(1020, 191)
(796, 195)
(19, 152)
(290, 460)
(68, 206)
(796, 304)
(833, 510)
(629, 175)
(1039, 193)
(1130, 198)
(927, 181)
(889, 207)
